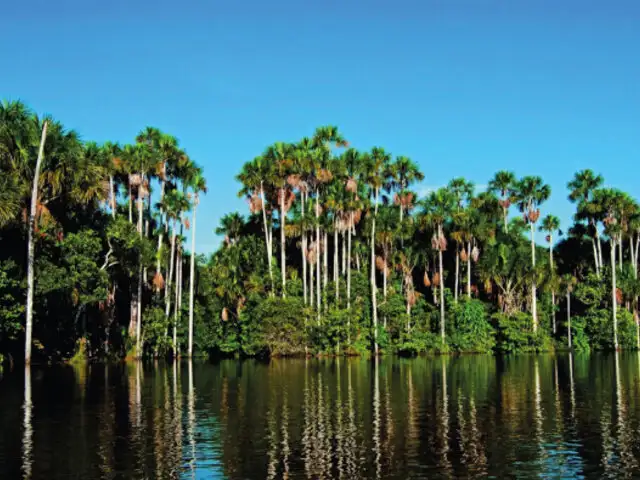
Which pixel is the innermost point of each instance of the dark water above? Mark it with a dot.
(472, 416)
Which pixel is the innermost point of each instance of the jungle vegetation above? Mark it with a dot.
(336, 254)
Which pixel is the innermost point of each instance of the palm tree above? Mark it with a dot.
(30, 246)
(198, 184)
(503, 183)
(231, 226)
(377, 165)
(531, 192)
(551, 224)
(404, 172)
(253, 177)
(582, 188)
(437, 210)
(462, 192)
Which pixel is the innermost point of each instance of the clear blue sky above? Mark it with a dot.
(464, 87)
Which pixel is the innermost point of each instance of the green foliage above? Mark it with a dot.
(281, 327)
(515, 335)
(11, 302)
(469, 329)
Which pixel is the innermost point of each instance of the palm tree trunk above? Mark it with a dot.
(568, 319)
(167, 284)
(455, 295)
(318, 257)
(283, 260)
(192, 275)
(325, 262)
(348, 262)
(408, 314)
(595, 256)
(374, 290)
(112, 197)
(161, 234)
(304, 266)
(534, 300)
(441, 289)
(620, 252)
(336, 248)
(31, 249)
(506, 222)
(599, 247)
(130, 202)
(267, 238)
(344, 250)
(384, 289)
(139, 296)
(179, 284)
(311, 285)
(176, 310)
(614, 297)
(469, 269)
(553, 292)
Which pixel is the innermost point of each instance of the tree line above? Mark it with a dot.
(94, 260)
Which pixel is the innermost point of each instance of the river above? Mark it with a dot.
(550, 416)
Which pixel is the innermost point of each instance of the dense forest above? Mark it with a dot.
(97, 257)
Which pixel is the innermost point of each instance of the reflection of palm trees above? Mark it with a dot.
(27, 434)
(625, 437)
(191, 416)
(376, 415)
(444, 426)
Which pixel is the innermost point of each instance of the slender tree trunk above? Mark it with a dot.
(635, 261)
(312, 297)
(344, 251)
(620, 252)
(534, 299)
(384, 289)
(374, 302)
(139, 296)
(441, 289)
(506, 221)
(325, 262)
(31, 249)
(161, 234)
(304, 249)
(614, 297)
(112, 197)
(336, 248)
(553, 292)
(267, 238)
(455, 295)
(130, 202)
(304, 266)
(595, 256)
(469, 269)
(176, 310)
(318, 256)
(599, 246)
(192, 275)
(568, 319)
(167, 284)
(348, 264)
(408, 314)
(179, 284)
(283, 260)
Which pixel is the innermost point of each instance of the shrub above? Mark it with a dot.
(515, 334)
(469, 327)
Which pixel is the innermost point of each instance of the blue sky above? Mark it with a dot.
(463, 87)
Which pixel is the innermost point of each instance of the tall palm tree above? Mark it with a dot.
(531, 192)
(30, 246)
(253, 177)
(568, 283)
(462, 192)
(404, 173)
(503, 183)
(377, 167)
(438, 207)
(551, 224)
(198, 185)
(582, 188)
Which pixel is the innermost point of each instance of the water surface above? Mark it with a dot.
(549, 416)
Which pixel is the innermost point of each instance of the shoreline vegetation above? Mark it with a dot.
(336, 255)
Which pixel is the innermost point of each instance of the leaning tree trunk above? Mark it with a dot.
(595, 256)
(614, 297)
(374, 299)
(534, 300)
(283, 260)
(568, 318)
(31, 249)
(192, 275)
(599, 246)
(167, 284)
(441, 288)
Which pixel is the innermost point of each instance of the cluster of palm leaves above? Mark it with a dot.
(108, 189)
